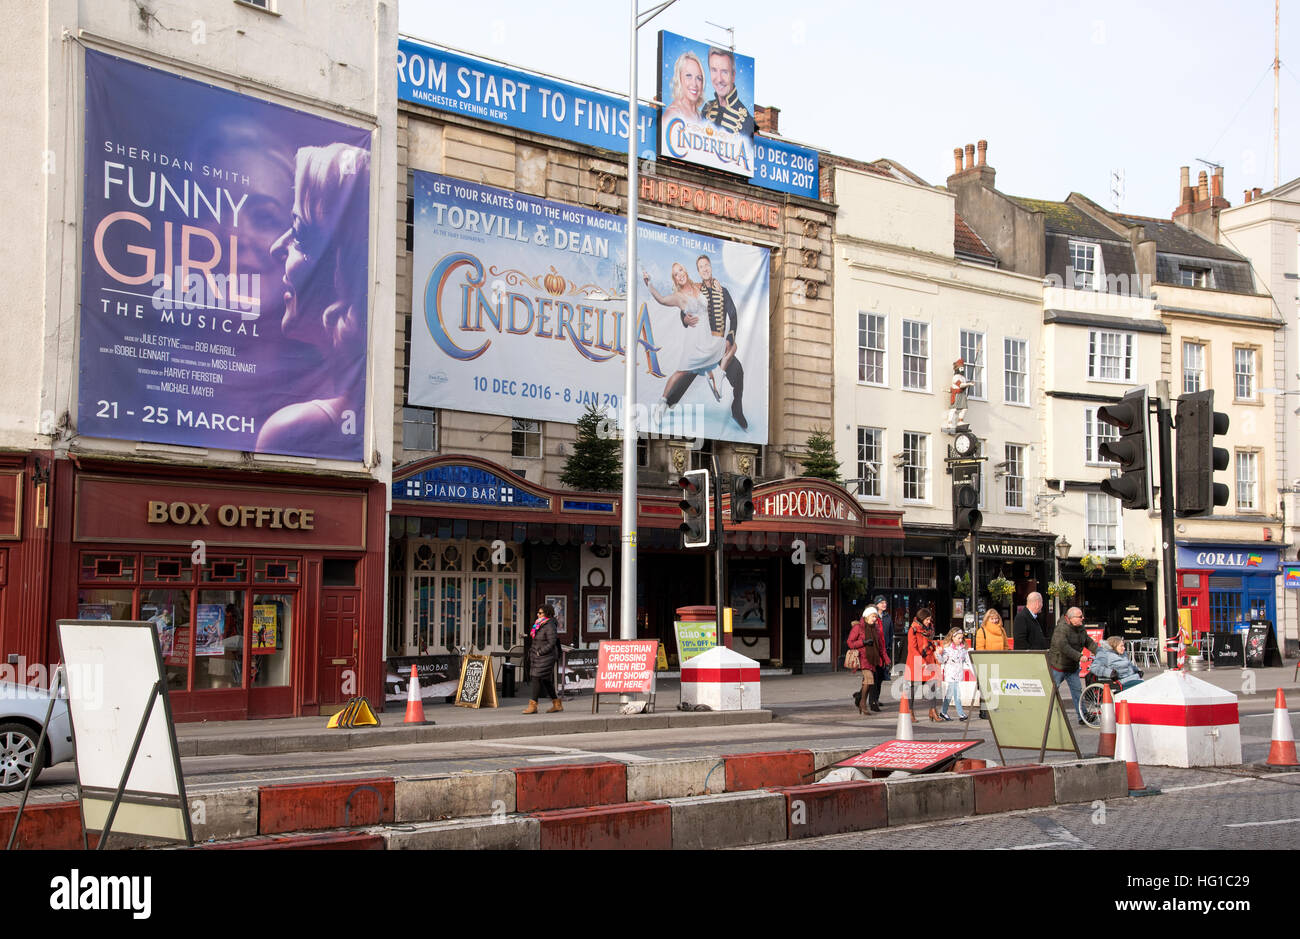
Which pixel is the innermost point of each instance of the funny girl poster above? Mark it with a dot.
(225, 268)
(519, 311)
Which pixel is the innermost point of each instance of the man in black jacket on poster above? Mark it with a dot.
(1027, 631)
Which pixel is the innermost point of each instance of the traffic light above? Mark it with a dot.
(1198, 424)
(695, 506)
(742, 498)
(966, 515)
(1129, 451)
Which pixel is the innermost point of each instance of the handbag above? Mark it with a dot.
(851, 660)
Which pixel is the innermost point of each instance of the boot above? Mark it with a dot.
(934, 715)
(555, 706)
(532, 707)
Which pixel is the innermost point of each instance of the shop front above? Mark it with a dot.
(475, 549)
(266, 595)
(1228, 586)
(1118, 603)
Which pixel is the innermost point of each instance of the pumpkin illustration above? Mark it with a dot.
(554, 282)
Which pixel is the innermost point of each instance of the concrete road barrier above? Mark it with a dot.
(480, 834)
(454, 795)
(319, 841)
(724, 821)
(834, 808)
(674, 779)
(747, 771)
(224, 813)
(1088, 780)
(639, 826)
(52, 827)
(1011, 788)
(574, 786)
(304, 807)
(928, 798)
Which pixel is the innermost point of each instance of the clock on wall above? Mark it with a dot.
(966, 445)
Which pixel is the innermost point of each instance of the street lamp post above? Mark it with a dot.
(1062, 552)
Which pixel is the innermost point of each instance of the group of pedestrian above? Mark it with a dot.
(947, 659)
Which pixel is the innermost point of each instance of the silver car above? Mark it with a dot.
(22, 709)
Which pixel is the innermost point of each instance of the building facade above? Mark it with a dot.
(191, 432)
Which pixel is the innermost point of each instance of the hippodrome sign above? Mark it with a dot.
(798, 502)
(910, 756)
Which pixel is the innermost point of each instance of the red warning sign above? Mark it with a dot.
(912, 756)
(626, 667)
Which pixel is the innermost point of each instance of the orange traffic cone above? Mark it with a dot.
(1106, 743)
(904, 731)
(1282, 750)
(414, 702)
(1126, 749)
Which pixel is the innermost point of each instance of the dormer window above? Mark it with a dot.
(1194, 277)
(1085, 262)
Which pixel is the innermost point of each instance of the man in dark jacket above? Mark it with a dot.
(1068, 642)
(1027, 631)
(542, 654)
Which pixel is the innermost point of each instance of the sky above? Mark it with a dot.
(1064, 92)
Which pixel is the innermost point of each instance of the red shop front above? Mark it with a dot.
(267, 595)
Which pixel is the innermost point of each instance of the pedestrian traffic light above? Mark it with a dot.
(742, 498)
(1196, 492)
(695, 506)
(1129, 451)
(966, 515)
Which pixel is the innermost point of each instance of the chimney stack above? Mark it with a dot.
(1216, 182)
(1258, 193)
(956, 156)
(767, 119)
(983, 148)
(1183, 184)
(970, 156)
(1246, 196)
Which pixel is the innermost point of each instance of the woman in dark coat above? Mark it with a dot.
(542, 654)
(866, 637)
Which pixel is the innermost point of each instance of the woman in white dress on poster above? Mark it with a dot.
(702, 350)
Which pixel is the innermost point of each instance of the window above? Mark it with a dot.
(702, 459)
(916, 355)
(972, 354)
(1247, 481)
(871, 447)
(916, 477)
(1243, 373)
(871, 348)
(1193, 366)
(1083, 261)
(526, 439)
(1013, 492)
(419, 429)
(642, 452)
(1103, 524)
(1194, 277)
(1095, 433)
(1015, 384)
(1110, 356)
(760, 465)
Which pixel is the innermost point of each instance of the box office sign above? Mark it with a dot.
(225, 268)
(522, 308)
(120, 511)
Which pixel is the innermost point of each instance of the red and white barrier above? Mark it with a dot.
(722, 679)
(1179, 720)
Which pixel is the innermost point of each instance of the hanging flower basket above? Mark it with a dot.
(1001, 589)
(961, 585)
(1093, 564)
(1134, 564)
(1062, 589)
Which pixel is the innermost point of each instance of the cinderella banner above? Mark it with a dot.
(225, 268)
(519, 311)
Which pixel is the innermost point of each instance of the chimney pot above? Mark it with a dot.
(983, 148)
(1183, 183)
(956, 155)
(1258, 193)
(1202, 187)
(970, 156)
(1216, 183)
(1246, 196)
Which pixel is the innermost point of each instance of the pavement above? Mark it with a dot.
(784, 697)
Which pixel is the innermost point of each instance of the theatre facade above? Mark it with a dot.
(512, 282)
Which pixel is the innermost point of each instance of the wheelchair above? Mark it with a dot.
(1091, 697)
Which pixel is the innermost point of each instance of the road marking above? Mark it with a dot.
(1225, 782)
(1064, 838)
(1281, 821)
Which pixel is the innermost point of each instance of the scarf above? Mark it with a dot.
(536, 626)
